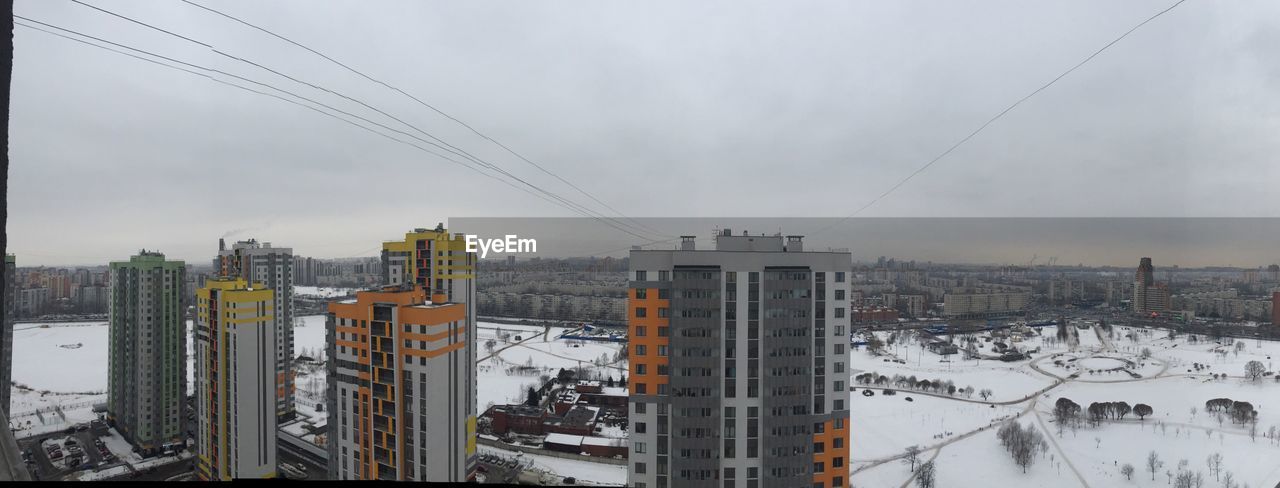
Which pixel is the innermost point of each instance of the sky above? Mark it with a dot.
(659, 109)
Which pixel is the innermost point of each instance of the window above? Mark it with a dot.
(641, 312)
(839, 276)
(640, 467)
(664, 276)
(642, 293)
(641, 389)
(641, 276)
(662, 351)
(640, 331)
(640, 428)
(639, 448)
(641, 350)
(664, 294)
(839, 312)
(642, 369)
(837, 442)
(640, 407)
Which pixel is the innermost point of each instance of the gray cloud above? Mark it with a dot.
(666, 108)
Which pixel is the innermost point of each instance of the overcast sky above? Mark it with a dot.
(657, 108)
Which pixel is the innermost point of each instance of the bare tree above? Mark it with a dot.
(985, 393)
(911, 456)
(1254, 369)
(1153, 464)
(1127, 471)
(1022, 443)
(925, 476)
(1228, 480)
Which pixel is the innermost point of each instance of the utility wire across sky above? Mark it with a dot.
(289, 93)
(439, 143)
(996, 117)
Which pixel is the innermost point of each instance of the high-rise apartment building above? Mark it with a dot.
(235, 386)
(1148, 296)
(147, 375)
(6, 341)
(738, 365)
(258, 262)
(401, 393)
(1275, 308)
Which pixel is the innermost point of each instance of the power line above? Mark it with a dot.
(211, 70)
(999, 115)
(571, 205)
(393, 138)
(424, 104)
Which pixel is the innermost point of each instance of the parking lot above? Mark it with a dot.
(55, 455)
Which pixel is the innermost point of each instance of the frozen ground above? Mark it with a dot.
(322, 291)
(878, 422)
(1089, 455)
(585, 472)
(39, 350)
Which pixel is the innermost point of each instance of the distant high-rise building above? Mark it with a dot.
(257, 262)
(1148, 297)
(6, 342)
(147, 375)
(401, 392)
(738, 368)
(235, 386)
(1275, 308)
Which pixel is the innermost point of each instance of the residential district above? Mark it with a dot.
(757, 362)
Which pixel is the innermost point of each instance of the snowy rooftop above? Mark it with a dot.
(568, 440)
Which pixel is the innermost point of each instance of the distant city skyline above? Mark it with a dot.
(1244, 243)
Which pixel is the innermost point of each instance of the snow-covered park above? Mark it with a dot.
(1175, 377)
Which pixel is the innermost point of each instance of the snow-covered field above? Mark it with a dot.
(40, 351)
(878, 422)
(1089, 455)
(322, 291)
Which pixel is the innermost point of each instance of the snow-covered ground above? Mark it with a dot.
(321, 291)
(878, 422)
(62, 357)
(59, 373)
(585, 472)
(1168, 381)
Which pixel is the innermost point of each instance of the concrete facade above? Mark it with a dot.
(738, 362)
(235, 385)
(401, 393)
(148, 343)
(257, 262)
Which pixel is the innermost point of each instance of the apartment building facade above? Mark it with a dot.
(259, 262)
(401, 392)
(235, 389)
(738, 365)
(147, 372)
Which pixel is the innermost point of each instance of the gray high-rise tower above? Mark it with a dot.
(258, 262)
(739, 365)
